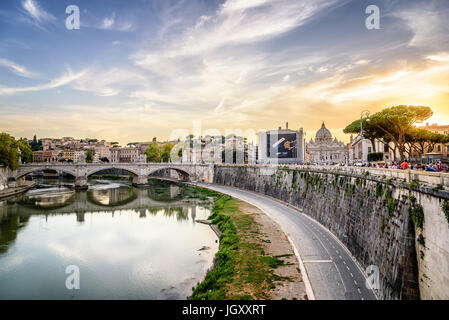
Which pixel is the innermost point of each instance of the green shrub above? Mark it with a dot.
(379, 189)
(375, 156)
(413, 184)
(417, 215)
(391, 205)
(445, 207)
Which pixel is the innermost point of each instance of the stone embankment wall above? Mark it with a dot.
(395, 220)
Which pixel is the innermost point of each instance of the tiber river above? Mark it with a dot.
(128, 243)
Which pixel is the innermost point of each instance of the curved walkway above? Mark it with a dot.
(332, 272)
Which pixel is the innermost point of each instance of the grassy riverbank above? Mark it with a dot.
(242, 270)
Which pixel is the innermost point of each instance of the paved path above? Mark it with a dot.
(329, 267)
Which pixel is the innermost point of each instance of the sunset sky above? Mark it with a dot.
(139, 69)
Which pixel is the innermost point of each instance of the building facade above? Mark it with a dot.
(281, 146)
(126, 155)
(440, 151)
(326, 150)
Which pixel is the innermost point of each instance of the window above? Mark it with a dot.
(369, 149)
(439, 148)
(386, 149)
(447, 148)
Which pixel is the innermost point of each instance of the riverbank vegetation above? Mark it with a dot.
(242, 268)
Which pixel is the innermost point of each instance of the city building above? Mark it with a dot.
(47, 155)
(360, 148)
(440, 151)
(281, 146)
(102, 152)
(232, 149)
(325, 150)
(203, 150)
(443, 129)
(73, 155)
(143, 146)
(115, 155)
(126, 155)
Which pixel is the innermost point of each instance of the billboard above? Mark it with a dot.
(282, 145)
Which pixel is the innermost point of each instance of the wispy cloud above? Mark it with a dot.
(427, 21)
(110, 23)
(17, 69)
(237, 22)
(194, 70)
(108, 83)
(35, 13)
(63, 80)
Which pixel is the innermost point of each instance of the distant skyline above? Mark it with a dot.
(139, 69)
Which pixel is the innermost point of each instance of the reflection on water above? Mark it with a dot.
(128, 243)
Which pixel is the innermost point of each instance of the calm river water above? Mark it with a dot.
(128, 243)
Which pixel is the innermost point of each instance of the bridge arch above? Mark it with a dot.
(182, 173)
(98, 169)
(21, 172)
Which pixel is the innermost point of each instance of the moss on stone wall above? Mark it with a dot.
(413, 184)
(379, 189)
(417, 215)
(445, 208)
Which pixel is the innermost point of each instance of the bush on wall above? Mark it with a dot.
(375, 156)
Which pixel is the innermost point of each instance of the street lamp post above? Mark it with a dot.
(364, 113)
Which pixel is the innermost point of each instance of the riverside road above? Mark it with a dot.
(332, 272)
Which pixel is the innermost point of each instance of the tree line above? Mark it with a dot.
(12, 150)
(394, 127)
(154, 153)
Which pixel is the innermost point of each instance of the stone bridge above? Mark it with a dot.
(141, 171)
